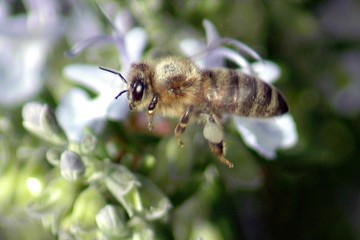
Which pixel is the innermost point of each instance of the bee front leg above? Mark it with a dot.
(214, 134)
(151, 109)
(180, 128)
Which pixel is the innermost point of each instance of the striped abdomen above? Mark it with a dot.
(233, 92)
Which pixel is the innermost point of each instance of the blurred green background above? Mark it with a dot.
(311, 191)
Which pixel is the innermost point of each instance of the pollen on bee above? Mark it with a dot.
(213, 132)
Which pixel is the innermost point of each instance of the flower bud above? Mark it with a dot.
(53, 156)
(71, 165)
(88, 143)
(141, 229)
(202, 229)
(40, 120)
(124, 187)
(156, 205)
(53, 202)
(111, 222)
(86, 207)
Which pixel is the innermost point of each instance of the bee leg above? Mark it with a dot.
(180, 128)
(214, 134)
(219, 150)
(151, 109)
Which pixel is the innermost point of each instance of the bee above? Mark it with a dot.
(175, 87)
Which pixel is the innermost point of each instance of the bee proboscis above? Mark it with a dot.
(176, 87)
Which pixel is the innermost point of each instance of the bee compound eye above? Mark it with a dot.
(138, 91)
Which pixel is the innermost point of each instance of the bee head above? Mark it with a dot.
(138, 86)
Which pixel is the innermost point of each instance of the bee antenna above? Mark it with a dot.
(124, 91)
(114, 72)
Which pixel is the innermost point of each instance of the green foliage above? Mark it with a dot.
(128, 183)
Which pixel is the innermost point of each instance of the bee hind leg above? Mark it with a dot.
(213, 132)
(219, 150)
(180, 128)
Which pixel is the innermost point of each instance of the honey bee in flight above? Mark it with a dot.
(176, 87)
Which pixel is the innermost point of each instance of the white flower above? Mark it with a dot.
(25, 42)
(213, 54)
(77, 110)
(265, 136)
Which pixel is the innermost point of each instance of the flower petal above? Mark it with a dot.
(267, 71)
(84, 23)
(118, 109)
(189, 46)
(226, 53)
(4, 11)
(242, 47)
(123, 22)
(80, 46)
(212, 35)
(266, 136)
(21, 63)
(214, 41)
(135, 42)
(77, 111)
(93, 78)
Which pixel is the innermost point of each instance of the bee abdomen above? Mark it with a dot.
(259, 99)
(232, 92)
